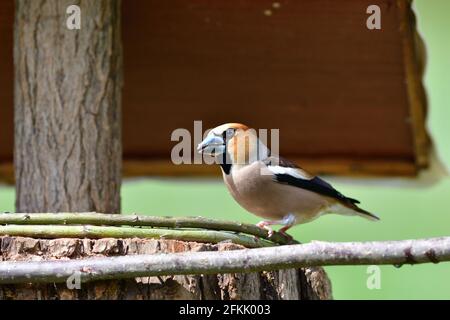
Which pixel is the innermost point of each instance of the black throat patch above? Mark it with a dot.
(226, 160)
(226, 163)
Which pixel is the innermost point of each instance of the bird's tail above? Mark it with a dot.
(365, 214)
(350, 208)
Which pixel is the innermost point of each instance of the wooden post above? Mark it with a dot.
(67, 107)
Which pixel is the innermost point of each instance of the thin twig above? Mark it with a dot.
(248, 260)
(135, 220)
(97, 232)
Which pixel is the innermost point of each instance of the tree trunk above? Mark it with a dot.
(67, 107)
(307, 283)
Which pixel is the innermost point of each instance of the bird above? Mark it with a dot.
(270, 186)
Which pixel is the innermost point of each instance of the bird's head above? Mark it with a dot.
(235, 142)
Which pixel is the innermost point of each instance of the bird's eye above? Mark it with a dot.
(230, 132)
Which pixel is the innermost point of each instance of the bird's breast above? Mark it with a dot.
(259, 194)
(252, 191)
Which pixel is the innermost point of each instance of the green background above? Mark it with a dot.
(408, 208)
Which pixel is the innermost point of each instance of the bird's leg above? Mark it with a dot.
(283, 232)
(288, 221)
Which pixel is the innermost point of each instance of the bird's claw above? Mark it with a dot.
(265, 225)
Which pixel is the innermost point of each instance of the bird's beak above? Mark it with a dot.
(212, 145)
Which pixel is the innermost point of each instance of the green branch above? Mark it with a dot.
(135, 220)
(97, 232)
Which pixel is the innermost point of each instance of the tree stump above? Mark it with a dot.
(305, 283)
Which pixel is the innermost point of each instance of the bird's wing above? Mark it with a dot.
(287, 172)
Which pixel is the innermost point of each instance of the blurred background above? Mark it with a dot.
(409, 207)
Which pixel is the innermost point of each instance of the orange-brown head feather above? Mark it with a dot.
(242, 143)
(232, 125)
(243, 146)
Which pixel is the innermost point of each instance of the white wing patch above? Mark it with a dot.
(294, 172)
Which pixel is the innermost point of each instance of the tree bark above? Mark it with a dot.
(305, 283)
(67, 107)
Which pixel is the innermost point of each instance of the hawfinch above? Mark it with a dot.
(269, 186)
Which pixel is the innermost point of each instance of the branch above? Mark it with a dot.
(135, 220)
(248, 260)
(97, 232)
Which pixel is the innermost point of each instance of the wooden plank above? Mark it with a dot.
(344, 167)
(415, 59)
